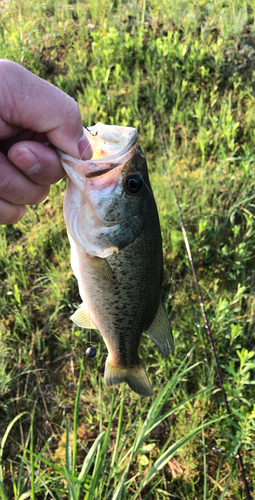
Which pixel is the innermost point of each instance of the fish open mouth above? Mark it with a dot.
(110, 141)
(112, 146)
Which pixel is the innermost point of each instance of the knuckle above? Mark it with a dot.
(73, 113)
(10, 77)
(5, 66)
(5, 182)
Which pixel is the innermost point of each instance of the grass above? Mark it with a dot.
(110, 476)
(192, 63)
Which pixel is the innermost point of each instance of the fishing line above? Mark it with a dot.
(133, 166)
(206, 325)
(94, 135)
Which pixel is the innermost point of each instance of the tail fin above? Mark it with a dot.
(135, 377)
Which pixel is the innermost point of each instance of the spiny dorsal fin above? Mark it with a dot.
(160, 331)
(135, 376)
(82, 318)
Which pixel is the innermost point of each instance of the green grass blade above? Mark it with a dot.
(216, 480)
(5, 436)
(156, 408)
(3, 491)
(101, 406)
(101, 457)
(162, 460)
(87, 463)
(38, 488)
(31, 457)
(118, 491)
(49, 492)
(150, 422)
(175, 408)
(70, 483)
(119, 425)
(14, 487)
(113, 466)
(227, 483)
(148, 496)
(44, 460)
(205, 469)
(68, 447)
(122, 457)
(100, 422)
(76, 416)
(22, 482)
(168, 454)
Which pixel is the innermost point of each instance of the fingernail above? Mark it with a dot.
(85, 148)
(25, 160)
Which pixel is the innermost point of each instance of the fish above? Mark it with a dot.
(116, 251)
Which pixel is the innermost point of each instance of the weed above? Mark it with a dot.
(192, 62)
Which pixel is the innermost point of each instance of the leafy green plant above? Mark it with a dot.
(192, 63)
(100, 474)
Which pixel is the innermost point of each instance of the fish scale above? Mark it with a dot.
(116, 252)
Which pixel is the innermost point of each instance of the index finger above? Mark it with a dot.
(28, 102)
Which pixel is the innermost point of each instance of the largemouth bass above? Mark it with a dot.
(116, 251)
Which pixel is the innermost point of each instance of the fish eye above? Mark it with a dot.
(133, 183)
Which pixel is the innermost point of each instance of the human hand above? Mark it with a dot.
(33, 113)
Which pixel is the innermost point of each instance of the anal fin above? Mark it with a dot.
(82, 318)
(160, 332)
(135, 376)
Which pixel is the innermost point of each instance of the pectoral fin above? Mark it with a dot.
(81, 318)
(160, 332)
(101, 270)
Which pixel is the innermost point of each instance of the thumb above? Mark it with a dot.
(35, 104)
